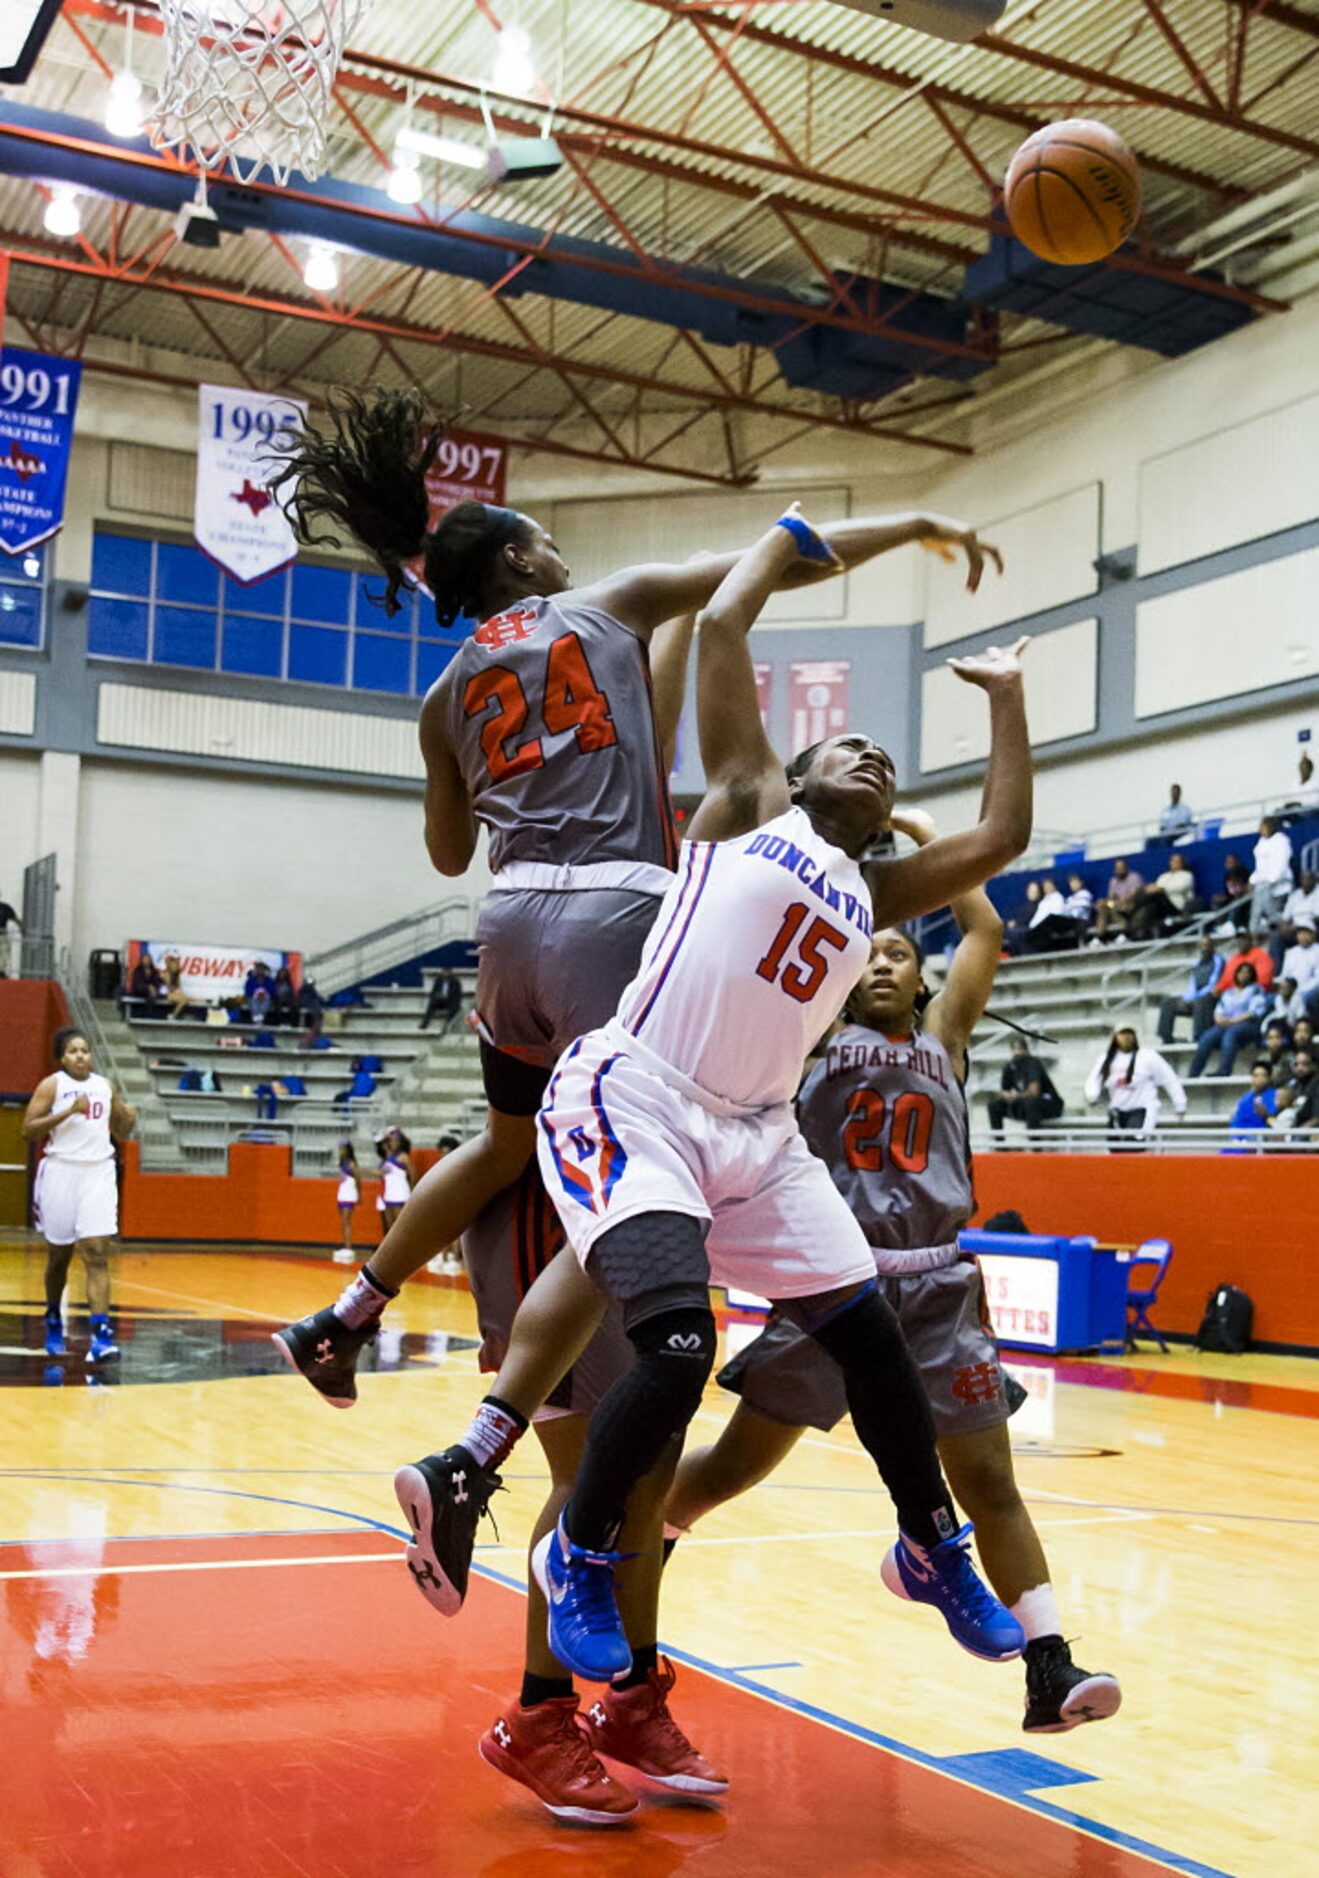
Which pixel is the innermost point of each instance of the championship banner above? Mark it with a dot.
(237, 522)
(817, 700)
(210, 974)
(468, 467)
(38, 399)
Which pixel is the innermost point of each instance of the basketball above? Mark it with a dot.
(1072, 192)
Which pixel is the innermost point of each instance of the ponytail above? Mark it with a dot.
(367, 475)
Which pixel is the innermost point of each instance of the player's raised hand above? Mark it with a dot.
(948, 538)
(914, 823)
(1000, 665)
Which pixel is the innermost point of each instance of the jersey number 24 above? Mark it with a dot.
(570, 700)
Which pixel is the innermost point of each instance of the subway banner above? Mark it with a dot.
(237, 521)
(210, 974)
(38, 399)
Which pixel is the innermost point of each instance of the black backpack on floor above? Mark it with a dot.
(1225, 1326)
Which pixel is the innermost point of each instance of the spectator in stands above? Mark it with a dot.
(445, 1000)
(1025, 1090)
(1178, 817)
(1285, 1002)
(1051, 928)
(1277, 1053)
(1271, 880)
(1114, 910)
(1302, 1039)
(1258, 1106)
(1234, 899)
(1018, 922)
(1130, 1080)
(362, 1085)
(1170, 900)
(1302, 901)
(258, 991)
(8, 918)
(1079, 904)
(1301, 962)
(1251, 950)
(172, 986)
(1304, 1092)
(145, 982)
(284, 998)
(1236, 1021)
(1202, 983)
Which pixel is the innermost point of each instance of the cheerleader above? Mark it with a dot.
(347, 1196)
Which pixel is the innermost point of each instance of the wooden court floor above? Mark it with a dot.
(212, 1661)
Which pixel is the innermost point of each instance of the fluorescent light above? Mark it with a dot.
(404, 184)
(123, 106)
(321, 269)
(444, 149)
(63, 216)
(514, 70)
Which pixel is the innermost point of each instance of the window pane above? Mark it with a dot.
(371, 615)
(323, 593)
(429, 627)
(120, 564)
(117, 629)
(185, 574)
(431, 661)
(185, 637)
(381, 663)
(317, 655)
(252, 645)
(20, 616)
(260, 596)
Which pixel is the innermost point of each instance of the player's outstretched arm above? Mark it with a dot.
(744, 780)
(955, 865)
(450, 824)
(955, 1010)
(669, 650)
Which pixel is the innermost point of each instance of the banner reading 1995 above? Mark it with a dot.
(38, 399)
(236, 520)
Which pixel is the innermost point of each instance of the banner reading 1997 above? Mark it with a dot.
(38, 399)
(237, 521)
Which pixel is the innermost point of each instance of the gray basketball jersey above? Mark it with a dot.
(888, 1118)
(549, 716)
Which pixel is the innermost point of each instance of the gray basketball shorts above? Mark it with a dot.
(505, 1249)
(551, 966)
(785, 1375)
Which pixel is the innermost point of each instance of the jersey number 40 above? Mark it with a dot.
(570, 700)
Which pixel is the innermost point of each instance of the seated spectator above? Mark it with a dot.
(172, 981)
(1251, 950)
(362, 1085)
(310, 1002)
(1114, 910)
(1271, 879)
(1050, 929)
(1301, 903)
(283, 998)
(1301, 963)
(1236, 1022)
(258, 991)
(1277, 1053)
(1257, 1108)
(1304, 1091)
(1017, 924)
(146, 983)
(1178, 817)
(445, 1000)
(1234, 898)
(1202, 983)
(1169, 900)
(1080, 902)
(1026, 1091)
(1302, 1040)
(1130, 1079)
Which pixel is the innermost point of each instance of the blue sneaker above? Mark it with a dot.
(102, 1345)
(585, 1630)
(55, 1344)
(945, 1577)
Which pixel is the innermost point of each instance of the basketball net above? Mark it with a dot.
(249, 84)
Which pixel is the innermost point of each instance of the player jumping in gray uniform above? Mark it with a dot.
(884, 1108)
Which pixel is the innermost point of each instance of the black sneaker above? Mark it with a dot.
(324, 1350)
(444, 1496)
(1059, 1696)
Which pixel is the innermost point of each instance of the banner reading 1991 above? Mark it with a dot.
(38, 399)
(236, 520)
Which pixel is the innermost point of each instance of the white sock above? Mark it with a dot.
(492, 1434)
(1037, 1613)
(361, 1299)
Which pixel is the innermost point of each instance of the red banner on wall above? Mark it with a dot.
(468, 467)
(817, 700)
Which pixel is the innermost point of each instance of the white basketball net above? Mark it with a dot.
(250, 84)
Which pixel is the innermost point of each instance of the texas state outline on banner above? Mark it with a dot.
(38, 403)
(238, 523)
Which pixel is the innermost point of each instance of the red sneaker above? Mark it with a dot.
(545, 1749)
(634, 1726)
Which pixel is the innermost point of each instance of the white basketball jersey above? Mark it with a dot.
(81, 1137)
(752, 955)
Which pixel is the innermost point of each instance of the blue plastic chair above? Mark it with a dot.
(1146, 1270)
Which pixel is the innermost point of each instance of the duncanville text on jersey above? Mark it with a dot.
(811, 875)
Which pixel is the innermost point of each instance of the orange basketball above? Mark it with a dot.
(1072, 192)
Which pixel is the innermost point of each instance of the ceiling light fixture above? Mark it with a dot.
(444, 149)
(515, 69)
(321, 268)
(404, 185)
(123, 105)
(63, 216)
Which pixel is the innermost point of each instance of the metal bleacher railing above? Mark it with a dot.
(398, 943)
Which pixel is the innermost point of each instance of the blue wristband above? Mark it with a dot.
(810, 546)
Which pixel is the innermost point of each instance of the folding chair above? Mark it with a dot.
(1149, 1261)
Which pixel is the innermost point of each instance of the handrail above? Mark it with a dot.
(1215, 1137)
(1234, 818)
(395, 943)
(1140, 963)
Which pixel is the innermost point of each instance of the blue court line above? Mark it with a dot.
(745, 1669)
(226, 1493)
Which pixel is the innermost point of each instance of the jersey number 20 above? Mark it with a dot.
(571, 700)
(909, 1123)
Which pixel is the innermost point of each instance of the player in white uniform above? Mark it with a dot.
(81, 1115)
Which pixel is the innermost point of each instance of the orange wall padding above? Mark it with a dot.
(1240, 1219)
(31, 1011)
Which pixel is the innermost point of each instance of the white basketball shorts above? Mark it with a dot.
(617, 1138)
(76, 1200)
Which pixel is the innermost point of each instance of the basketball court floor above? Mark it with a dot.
(213, 1661)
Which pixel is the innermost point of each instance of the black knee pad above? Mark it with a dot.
(651, 1252)
(675, 1352)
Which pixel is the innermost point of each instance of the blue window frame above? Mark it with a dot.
(164, 603)
(22, 598)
